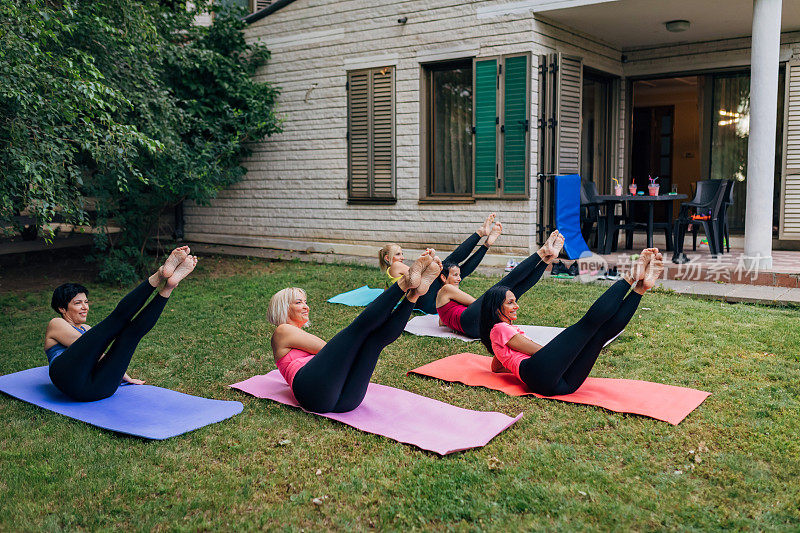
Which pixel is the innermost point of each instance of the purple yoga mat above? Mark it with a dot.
(141, 410)
(400, 415)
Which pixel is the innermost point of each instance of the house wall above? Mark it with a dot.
(294, 195)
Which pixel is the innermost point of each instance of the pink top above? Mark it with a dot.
(510, 358)
(289, 364)
(450, 314)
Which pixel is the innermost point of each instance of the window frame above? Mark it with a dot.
(426, 133)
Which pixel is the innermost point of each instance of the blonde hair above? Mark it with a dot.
(278, 311)
(388, 249)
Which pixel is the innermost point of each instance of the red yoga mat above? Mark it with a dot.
(663, 402)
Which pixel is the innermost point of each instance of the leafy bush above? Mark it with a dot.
(128, 103)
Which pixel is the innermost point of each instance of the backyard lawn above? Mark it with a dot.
(734, 463)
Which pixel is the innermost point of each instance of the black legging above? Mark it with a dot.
(523, 277)
(336, 379)
(564, 363)
(80, 373)
(427, 302)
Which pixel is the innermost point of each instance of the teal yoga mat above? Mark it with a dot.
(357, 297)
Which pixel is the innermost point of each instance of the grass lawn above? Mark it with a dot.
(734, 463)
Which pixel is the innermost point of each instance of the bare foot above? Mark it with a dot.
(639, 268)
(175, 258)
(551, 247)
(497, 366)
(497, 229)
(183, 270)
(486, 227)
(430, 274)
(412, 278)
(654, 271)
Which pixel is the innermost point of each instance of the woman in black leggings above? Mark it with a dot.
(88, 364)
(333, 377)
(461, 312)
(390, 258)
(563, 364)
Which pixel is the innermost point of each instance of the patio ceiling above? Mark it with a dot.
(630, 24)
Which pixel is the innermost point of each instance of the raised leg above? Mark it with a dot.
(106, 377)
(355, 385)
(543, 373)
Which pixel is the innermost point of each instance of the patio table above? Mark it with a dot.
(610, 200)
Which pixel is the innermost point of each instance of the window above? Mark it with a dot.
(730, 131)
(449, 117)
(370, 135)
(252, 6)
(478, 127)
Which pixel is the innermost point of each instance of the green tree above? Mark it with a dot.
(128, 103)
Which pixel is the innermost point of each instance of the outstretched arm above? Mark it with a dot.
(523, 344)
(287, 337)
(60, 331)
(452, 293)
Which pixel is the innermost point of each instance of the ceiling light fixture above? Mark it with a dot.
(677, 26)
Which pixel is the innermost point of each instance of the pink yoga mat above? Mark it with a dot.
(400, 415)
(655, 400)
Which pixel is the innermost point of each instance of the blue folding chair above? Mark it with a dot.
(568, 215)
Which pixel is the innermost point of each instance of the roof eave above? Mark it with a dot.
(272, 8)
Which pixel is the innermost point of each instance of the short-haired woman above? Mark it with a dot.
(333, 376)
(88, 363)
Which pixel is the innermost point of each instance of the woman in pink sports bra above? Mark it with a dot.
(462, 313)
(563, 364)
(333, 376)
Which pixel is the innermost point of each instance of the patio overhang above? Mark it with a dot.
(636, 24)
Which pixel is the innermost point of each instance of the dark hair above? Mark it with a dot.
(64, 294)
(491, 305)
(446, 266)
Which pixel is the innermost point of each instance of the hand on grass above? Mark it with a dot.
(132, 381)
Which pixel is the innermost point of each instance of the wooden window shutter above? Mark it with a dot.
(790, 179)
(370, 121)
(358, 134)
(569, 94)
(515, 125)
(382, 133)
(486, 125)
(261, 4)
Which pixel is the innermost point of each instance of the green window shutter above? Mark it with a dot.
(485, 127)
(515, 122)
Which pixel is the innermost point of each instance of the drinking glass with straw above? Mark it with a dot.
(652, 188)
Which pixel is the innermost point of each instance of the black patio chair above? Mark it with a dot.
(720, 228)
(726, 203)
(707, 207)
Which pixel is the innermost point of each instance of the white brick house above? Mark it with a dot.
(386, 106)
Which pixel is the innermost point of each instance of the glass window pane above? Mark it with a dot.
(451, 130)
(665, 166)
(666, 142)
(730, 131)
(666, 125)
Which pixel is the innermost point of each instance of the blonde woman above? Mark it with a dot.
(333, 376)
(390, 259)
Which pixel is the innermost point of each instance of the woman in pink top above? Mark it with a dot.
(333, 377)
(462, 313)
(563, 364)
